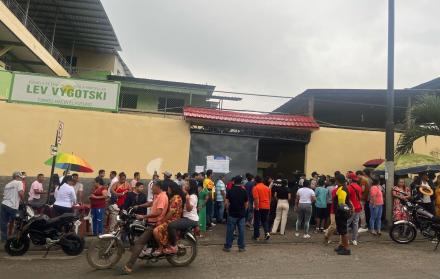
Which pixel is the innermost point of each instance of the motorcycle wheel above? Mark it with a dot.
(76, 244)
(187, 252)
(403, 233)
(104, 253)
(17, 247)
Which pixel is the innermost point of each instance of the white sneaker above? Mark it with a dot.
(306, 236)
(296, 234)
(362, 230)
(354, 242)
(213, 224)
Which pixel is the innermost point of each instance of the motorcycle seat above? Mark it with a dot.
(63, 216)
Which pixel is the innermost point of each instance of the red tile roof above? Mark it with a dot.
(274, 120)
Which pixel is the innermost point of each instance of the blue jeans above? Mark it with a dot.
(232, 224)
(376, 217)
(7, 215)
(220, 211)
(98, 220)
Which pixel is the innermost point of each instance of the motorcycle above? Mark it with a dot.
(405, 231)
(105, 251)
(42, 230)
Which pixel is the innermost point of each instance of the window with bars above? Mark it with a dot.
(128, 101)
(170, 104)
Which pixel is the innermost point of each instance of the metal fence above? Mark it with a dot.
(223, 100)
(22, 15)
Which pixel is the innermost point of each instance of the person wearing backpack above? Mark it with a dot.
(355, 192)
(343, 209)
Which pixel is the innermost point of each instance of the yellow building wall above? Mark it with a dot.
(332, 149)
(110, 141)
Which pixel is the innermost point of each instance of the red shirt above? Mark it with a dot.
(98, 203)
(262, 193)
(355, 196)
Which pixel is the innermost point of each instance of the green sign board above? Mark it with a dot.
(5, 84)
(65, 92)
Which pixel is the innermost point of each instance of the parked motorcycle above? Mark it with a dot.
(42, 230)
(105, 251)
(405, 231)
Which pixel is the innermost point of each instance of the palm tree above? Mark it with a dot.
(425, 121)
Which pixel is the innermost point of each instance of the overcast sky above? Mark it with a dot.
(277, 47)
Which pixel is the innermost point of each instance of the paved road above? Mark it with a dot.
(302, 260)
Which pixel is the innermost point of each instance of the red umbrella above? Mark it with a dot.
(373, 163)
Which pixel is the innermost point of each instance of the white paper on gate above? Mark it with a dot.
(200, 169)
(217, 165)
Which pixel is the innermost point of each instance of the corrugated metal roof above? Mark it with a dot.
(273, 120)
(84, 22)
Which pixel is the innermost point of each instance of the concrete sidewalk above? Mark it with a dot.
(217, 237)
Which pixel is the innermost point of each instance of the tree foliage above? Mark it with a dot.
(425, 121)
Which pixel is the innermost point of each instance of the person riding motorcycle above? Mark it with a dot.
(174, 213)
(159, 208)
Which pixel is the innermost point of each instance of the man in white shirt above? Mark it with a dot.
(13, 194)
(113, 179)
(36, 189)
(79, 188)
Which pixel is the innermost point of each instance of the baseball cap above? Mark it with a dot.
(17, 174)
(167, 174)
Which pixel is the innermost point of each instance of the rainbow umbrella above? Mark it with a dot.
(69, 161)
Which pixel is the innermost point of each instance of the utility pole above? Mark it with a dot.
(389, 136)
(54, 153)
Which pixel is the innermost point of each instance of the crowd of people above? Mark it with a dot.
(338, 203)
